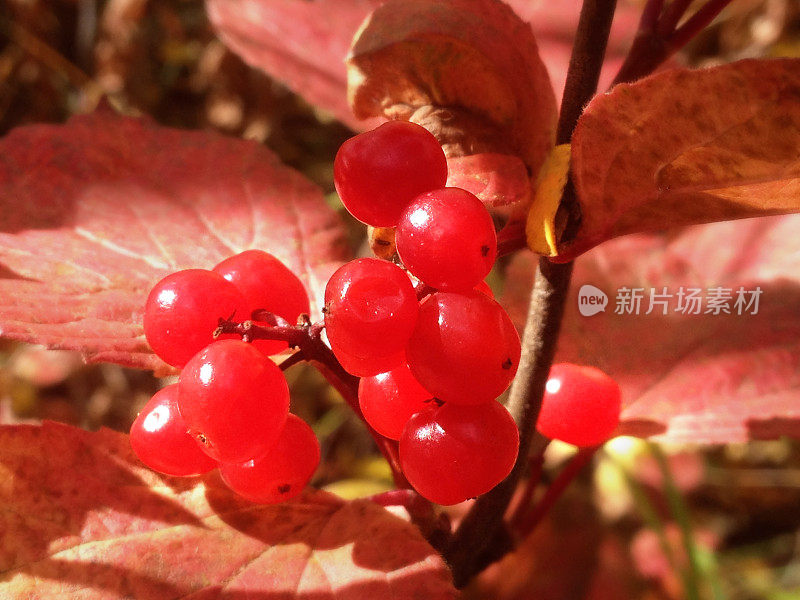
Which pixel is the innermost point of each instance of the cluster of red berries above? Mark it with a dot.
(230, 407)
(432, 346)
(419, 326)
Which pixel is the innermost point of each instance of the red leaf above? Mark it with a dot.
(500, 180)
(300, 43)
(466, 56)
(84, 520)
(693, 378)
(304, 44)
(97, 210)
(684, 147)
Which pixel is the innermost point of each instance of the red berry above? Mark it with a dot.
(454, 453)
(464, 348)
(183, 310)
(379, 172)
(281, 473)
(267, 284)
(161, 440)
(389, 400)
(234, 400)
(484, 289)
(368, 365)
(446, 238)
(370, 309)
(581, 405)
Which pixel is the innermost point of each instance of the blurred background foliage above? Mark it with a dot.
(644, 522)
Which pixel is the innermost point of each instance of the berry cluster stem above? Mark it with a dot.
(469, 550)
(307, 337)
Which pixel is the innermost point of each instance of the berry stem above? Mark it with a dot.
(483, 524)
(347, 385)
(307, 337)
(294, 359)
(696, 23)
(527, 523)
(659, 36)
(535, 470)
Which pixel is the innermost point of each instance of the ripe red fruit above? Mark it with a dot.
(234, 400)
(447, 239)
(280, 474)
(464, 348)
(370, 309)
(160, 438)
(389, 400)
(484, 289)
(379, 172)
(367, 366)
(267, 284)
(183, 310)
(454, 453)
(581, 405)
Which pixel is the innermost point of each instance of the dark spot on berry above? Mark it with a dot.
(485, 250)
(325, 310)
(284, 489)
(507, 364)
(381, 242)
(435, 401)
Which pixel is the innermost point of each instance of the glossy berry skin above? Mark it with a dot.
(484, 289)
(161, 440)
(454, 453)
(379, 172)
(370, 309)
(447, 239)
(281, 473)
(234, 400)
(581, 405)
(267, 284)
(183, 310)
(389, 400)
(367, 366)
(464, 349)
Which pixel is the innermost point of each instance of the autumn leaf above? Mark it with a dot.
(311, 60)
(96, 211)
(84, 520)
(491, 162)
(474, 56)
(698, 378)
(684, 147)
